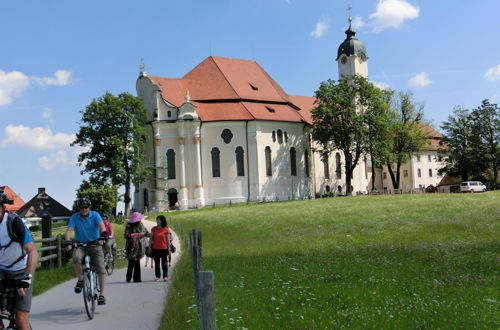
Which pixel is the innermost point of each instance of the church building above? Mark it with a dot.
(227, 132)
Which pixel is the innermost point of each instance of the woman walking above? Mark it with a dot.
(160, 242)
(134, 231)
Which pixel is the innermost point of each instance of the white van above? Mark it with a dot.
(472, 186)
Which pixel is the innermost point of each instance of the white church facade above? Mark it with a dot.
(227, 132)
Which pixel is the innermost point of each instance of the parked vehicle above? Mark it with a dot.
(472, 186)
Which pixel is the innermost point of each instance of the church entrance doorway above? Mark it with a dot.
(172, 197)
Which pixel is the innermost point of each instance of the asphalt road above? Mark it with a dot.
(128, 305)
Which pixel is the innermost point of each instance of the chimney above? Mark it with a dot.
(41, 191)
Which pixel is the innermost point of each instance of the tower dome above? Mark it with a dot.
(351, 45)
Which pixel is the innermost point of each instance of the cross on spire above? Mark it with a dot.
(142, 68)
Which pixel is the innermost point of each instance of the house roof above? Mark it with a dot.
(449, 180)
(434, 136)
(18, 201)
(234, 89)
(42, 205)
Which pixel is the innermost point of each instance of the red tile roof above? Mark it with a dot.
(233, 89)
(18, 201)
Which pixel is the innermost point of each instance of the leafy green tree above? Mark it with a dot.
(339, 120)
(486, 139)
(103, 197)
(113, 134)
(406, 135)
(457, 137)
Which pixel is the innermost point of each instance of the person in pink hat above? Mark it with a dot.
(134, 231)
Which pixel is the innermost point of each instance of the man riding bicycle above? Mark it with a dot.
(18, 259)
(88, 227)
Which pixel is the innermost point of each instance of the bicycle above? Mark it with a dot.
(8, 297)
(109, 260)
(90, 284)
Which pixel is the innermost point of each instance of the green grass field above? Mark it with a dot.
(367, 262)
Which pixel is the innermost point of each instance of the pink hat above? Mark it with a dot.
(136, 217)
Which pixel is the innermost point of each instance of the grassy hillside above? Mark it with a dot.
(401, 261)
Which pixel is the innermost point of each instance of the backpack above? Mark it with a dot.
(16, 232)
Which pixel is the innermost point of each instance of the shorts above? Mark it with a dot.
(107, 246)
(23, 303)
(96, 254)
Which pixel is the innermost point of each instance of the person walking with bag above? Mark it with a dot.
(160, 242)
(134, 231)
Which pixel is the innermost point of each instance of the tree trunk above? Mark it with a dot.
(348, 173)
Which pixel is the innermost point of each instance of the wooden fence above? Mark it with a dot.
(48, 245)
(203, 284)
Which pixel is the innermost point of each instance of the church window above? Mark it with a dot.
(270, 109)
(240, 166)
(306, 160)
(226, 136)
(293, 162)
(169, 113)
(269, 168)
(171, 164)
(338, 167)
(215, 163)
(325, 167)
(274, 136)
(280, 136)
(286, 136)
(429, 158)
(430, 173)
(419, 173)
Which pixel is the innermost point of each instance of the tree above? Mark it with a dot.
(457, 140)
(103, 197)
(339, 120)
(406, 135)
(113, 134)
(486, 138)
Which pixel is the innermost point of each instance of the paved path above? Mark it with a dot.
(128, 305)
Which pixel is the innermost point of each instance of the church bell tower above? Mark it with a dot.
(351, 55)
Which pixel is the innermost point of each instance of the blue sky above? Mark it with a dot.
(57, 55)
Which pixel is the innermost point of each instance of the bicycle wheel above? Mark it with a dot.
(109, 261)
(88, 293)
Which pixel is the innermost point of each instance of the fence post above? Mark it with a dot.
(59, 252)
(207, 296)
(46, 233)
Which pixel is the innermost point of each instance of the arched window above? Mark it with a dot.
(171, 164)
(274, 136)
(215, 162)
(293, 162)
(280, 136)
(325, 167)
(419, 173)
(430, 173)
(240, 167)
(286, 136)
(269, 168)
(306, 161)
(338, 166)
(169, 113)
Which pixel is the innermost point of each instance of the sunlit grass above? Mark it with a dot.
(403, 261)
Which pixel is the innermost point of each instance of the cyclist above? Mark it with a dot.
(18, 259)
(89, 228)
(109, 230)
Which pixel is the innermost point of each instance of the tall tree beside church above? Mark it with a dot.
(486, 139)
(113, 136)
(339, 120)
(457, 138)
(103, 196)
(406, 136)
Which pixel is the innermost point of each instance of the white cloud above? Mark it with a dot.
(61, 78)
(321, 28)
(56, 159)
(12, 84)
(420, 80)
(357, 22)
(288, 1)
(35, 138)
(392, 13)
(47, 113)
(493, 73)
(381, 85)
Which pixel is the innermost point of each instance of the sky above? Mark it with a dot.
(56, 56)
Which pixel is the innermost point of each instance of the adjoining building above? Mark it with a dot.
(17, 201)
(41, 206)
(227, 132)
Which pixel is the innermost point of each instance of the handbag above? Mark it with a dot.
(172, 248)
(149, 252)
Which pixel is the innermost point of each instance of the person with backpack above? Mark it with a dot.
(160, 242)
(18, 259)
